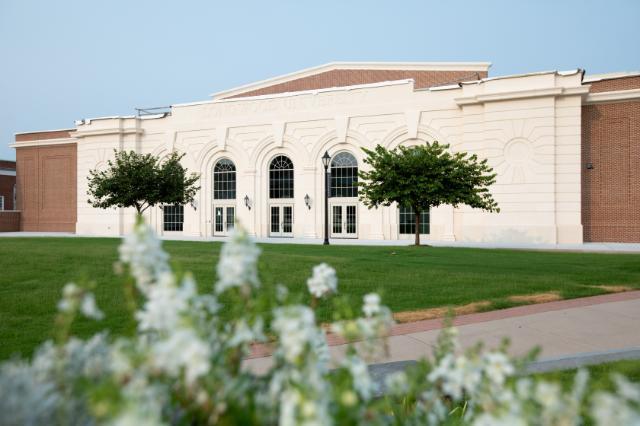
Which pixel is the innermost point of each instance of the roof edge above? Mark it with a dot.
(591, 78)
(408, 66)
(70, 129)
(298, 93)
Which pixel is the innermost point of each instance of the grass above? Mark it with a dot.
(34, 270)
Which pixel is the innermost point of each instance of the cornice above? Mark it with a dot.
(613, 96)
(80, 133)
(521, 94)
(43, 142)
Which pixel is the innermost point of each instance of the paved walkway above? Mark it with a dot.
(585, 247)
(560, 328)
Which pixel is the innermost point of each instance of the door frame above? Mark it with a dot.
(344, 203)
(280, 205)
(225, 226)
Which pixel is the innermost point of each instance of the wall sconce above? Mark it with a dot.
(307, 201)
(194, 204)
(247, 202)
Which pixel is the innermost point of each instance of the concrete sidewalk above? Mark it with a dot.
(560, 328)
(585, 247)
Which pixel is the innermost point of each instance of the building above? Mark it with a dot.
(9, 219)
(565, 147)
(7, 185)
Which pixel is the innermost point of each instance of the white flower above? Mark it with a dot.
(119, 362)
(396, 383)
(323, 280)
(183, 349)
(362, 382)
(70, 297)
(238, 264)
(608, 409)
(456, 375)
(487, 419)
(89, 308)
(296, 329)
(142, 251)
(371, 304)
(627, 389)
(547, 395)
(498, 367)
(289, 400)
(165, 304)
(243, 333)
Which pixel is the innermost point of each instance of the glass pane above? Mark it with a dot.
(351, 219)
(224, 180)
(231, 215)
(344, 175)
(407, 221)
(173, 217)
(336, 219)
(275, 219)
(219, 220)
(287, 219)
(281, 177)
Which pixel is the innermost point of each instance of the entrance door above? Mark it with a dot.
(281, 220)
(223, 220)
(344, 220)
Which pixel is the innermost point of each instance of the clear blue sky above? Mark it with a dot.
(65, 60)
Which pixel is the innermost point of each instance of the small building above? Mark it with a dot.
(7, 185)
(9, 218)
(565, 146)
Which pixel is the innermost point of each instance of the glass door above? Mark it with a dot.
(344, 220)
(224, 218)
(281, 220)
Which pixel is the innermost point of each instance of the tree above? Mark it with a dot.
(426, 176)
(141, 181)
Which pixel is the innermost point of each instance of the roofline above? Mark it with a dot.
(45, 131)
(609, 76)
(408, 66)
(299, 93)
(529, 74)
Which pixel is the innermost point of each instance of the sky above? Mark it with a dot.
(66, 60)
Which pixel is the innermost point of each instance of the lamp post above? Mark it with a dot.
(326, 159)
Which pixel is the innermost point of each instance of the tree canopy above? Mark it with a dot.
(426, 176)
(141, 181)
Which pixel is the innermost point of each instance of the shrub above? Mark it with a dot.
(184, 365)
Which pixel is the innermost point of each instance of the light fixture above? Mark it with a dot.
(307, 201)
(247, 202)
(194, 204)
(326, 158)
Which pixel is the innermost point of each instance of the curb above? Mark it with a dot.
(379, 372)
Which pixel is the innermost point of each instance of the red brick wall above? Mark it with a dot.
(6, 164)
(340, 78)
(7, 183)
(9, 221)
(37, 136)
(624, 83)
(47, 188)
(611, 190)
(6, 190)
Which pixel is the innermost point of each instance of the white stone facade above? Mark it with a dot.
(528, 127)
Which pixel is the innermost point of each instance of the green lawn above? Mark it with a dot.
(33, 271)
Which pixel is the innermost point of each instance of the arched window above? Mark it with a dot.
(281, 177)
(224, 180)
(344, 175)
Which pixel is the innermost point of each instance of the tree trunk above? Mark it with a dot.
(417, 212)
